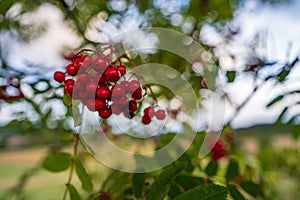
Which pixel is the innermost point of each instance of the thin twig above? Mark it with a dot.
(72, 164)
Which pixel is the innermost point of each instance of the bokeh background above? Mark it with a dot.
(255, 45)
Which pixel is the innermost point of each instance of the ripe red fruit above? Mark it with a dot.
(133, 106)
(146, 119)
(100, 104)
(69, 82)
(91, 87)
(105, 113)
(79, 62)
(149, 111)
(137, 94)
(112, 74)
(133, 85)
(160, 114)
(69, 88)
(117, 91)
(116, 108)
(99, 64)
(122, 69)
(83, 78)
(125, 85)
(72, 70)
(103, 92)
(59, 76)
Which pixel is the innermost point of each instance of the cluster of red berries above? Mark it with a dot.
(150, 112)
(102, 87)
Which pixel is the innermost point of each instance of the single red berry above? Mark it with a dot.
(112, 74)
(116, 108)
(87, 62)
(69, 88)
(146, 119)
(125, 85)
(103, 92)
(78, 62)
(160, 114)
(133, 106)
(72, 70)
(91, 104)
(117, 91)
(69, 82)
(91, 87)
(83, 78)
(102, 80)
(99, 64)
(100, 104)
(105, 113)
(133, 85)
(137, 94)
(149, 111)
(59, 76)
(122, 101)
(122, 69)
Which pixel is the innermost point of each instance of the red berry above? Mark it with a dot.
(116, 108)
(133, 106)
(133, 85)
(122, 69)
(103, 92)
(72, 70)
(91, 87)
(102, 79)
(160, 114)
(100, 104)
(112, 74)
(125, 85)
(137, 94)
(149, 111)
(83, 78)
(117, 91)
(78, 62)
(69, 82)
(105, 113)
(146, 119)
(122, 101)
(99, 64)
(59, 76)
(91, 105)
(69, 88)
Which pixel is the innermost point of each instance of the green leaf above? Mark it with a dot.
(138, 180)
(74, 195)
(67, 99)
(282, 114)
(275, 100)
(252, 188)
(232, 170)
(184, 183)
(230, 76)
(57, 162)
(161, 185)
(84, 177)
(205, 192)
(236, 195)
(212, 168)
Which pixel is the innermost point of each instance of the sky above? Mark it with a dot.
(280, 24)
